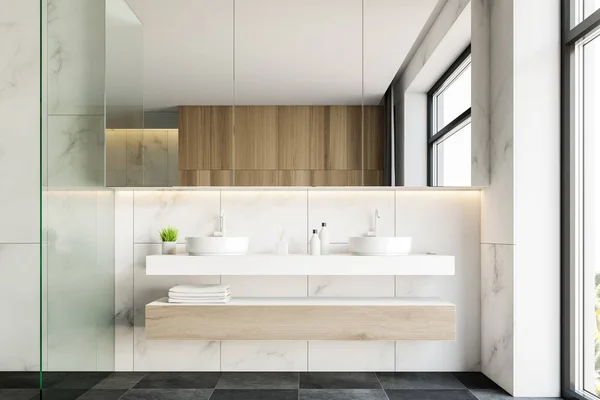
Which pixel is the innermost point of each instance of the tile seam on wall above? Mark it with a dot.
(220, 276)
(76, 115)
(307, 252)
(21, 243)
(133, 281)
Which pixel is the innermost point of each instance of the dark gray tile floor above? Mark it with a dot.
(250, 386)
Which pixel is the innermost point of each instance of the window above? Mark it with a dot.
(589, 7)
(449, 133)
(589, 89)
(581, 199)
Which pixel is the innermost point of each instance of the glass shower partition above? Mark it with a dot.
(77, 266)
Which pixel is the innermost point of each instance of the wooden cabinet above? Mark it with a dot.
(255, 138)
(281, 145)
(372, 319)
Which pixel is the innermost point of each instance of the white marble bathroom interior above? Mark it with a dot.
(503, 237)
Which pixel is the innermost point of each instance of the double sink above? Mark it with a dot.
(360, 246)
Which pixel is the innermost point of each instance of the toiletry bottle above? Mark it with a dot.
(315, 244)
(324, 238)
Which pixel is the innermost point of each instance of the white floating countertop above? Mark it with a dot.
(336, 264)
(316, 301)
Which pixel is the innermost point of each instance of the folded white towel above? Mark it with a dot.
(207, 301)
(199, 289)
(223, 296)
(199, 296)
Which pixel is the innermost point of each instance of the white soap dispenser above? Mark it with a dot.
(324, 238)
(315, 244)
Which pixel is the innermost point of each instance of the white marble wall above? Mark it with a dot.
(19, 184)
(444, 222)
(497, 317)
(497, 208)
(537, 64)
(480, 92)
(520, 209)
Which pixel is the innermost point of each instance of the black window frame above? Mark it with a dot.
(450, 128)
(569, 37)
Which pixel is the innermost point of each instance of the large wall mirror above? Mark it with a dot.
(296, 93)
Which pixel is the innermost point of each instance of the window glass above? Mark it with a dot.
(455, 98)
(589, 7)
(591, 213)
(453, 158)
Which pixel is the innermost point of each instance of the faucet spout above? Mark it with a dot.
(221, 231)
(377, 216)
(222, 222)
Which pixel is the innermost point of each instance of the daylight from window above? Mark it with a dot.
(455, 99)
(591, 207)
(452, 152)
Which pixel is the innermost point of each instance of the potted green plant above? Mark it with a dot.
(169, 238)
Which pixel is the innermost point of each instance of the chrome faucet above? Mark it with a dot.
(221, 231)
(375, 232)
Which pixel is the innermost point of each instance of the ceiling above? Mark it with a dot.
(294, 52)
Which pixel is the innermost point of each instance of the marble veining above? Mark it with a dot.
(351, 286)
(497, 200)
(142, 157)
(497, 207)
(265, 217)
(76, 82)
(480, 92)
(116, 158)
(193, 213)
(76, 151)
(448, 15)
(134, 158)
(156, 157)
(264, 356)
(497, 313)
(351, 356)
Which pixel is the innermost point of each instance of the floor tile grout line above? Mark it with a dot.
(220, 377)
(380, 384)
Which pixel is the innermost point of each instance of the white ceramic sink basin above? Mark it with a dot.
(212, 246)
(380, 246)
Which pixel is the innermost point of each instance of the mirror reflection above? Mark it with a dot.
(293, 93)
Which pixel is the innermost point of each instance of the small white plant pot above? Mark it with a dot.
(169, 248)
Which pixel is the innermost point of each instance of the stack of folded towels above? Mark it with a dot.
(199, 294)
